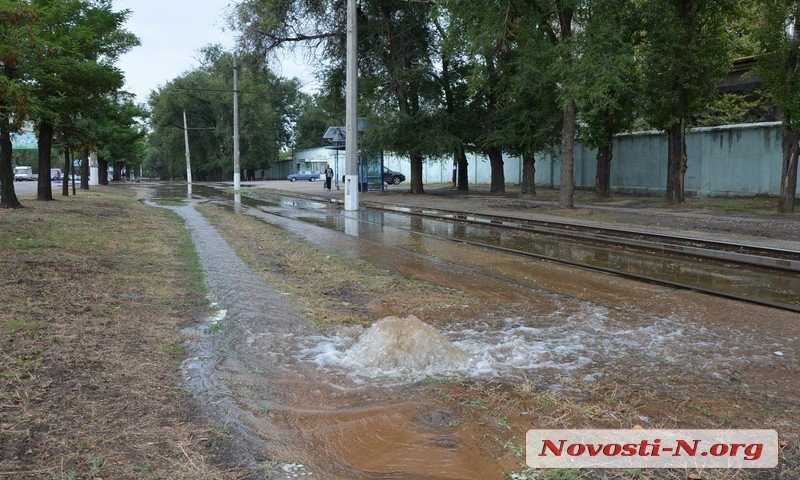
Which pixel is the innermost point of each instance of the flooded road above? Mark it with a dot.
(304, 405)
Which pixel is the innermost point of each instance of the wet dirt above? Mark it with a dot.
(289, 392)
(249, 377)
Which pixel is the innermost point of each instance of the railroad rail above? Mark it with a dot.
(741, 253)
(765, 258)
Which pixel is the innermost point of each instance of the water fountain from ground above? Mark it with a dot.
(404, 344)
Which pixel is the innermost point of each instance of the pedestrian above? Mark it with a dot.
(328, 176)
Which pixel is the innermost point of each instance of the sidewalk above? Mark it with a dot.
(642, 213)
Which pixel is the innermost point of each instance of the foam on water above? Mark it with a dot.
(557, 343)
(397, 344)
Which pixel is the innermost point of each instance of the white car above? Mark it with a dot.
(23, 174)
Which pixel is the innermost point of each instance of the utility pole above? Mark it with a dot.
(188, 158)
(351, 117)
(237, 175)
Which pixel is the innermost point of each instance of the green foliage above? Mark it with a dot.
(742, 28)
(513, 97)
(684, 53)
(312, 121)
(267, 105)
(604, 77)
(119, 133)
(18, 21)
(777, 63)
(72, 65)
(732, 108)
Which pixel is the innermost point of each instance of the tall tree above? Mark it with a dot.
(120, 135)
(312, 120)
(17, 21)
(685, 52)
(73, 72)
(606, 80)
(457, 117)
(397, 85)
(267, 108)
(530, 118)
(779, 42)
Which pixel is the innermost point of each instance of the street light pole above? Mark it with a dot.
(188, 158)
(351, 117)
(237, 177)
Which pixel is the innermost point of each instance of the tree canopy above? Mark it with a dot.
(268, 108)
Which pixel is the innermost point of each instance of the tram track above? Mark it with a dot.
(781, 262)
(741, 253)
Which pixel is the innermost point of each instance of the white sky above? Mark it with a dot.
(171, 34)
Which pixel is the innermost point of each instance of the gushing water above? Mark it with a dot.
(397, 344)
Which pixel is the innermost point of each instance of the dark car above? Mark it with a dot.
(392, 177)
(303, 175)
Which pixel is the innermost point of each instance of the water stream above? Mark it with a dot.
(340, 402)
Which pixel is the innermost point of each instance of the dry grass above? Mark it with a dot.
(502, 411)
(330, 287)
(93, 292)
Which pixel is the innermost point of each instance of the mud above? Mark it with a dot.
(288, 391)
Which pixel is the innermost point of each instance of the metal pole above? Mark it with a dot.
(188, 158)
(237, 175)
(351, 119)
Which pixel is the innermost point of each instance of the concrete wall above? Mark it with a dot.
(726, 160)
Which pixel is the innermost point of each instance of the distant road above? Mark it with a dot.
(22, 188)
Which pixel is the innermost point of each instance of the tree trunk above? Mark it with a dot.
(73, 179)
(603, 177)
(567, 192)
(605, 154)
(85, 171)
(788, 169)
(676, 163)
(790, 136)
(498, 184)
(528, 174)
(8, 195)
(44, 187)
(65, 181)
(455, 168)
(102, 170)
(116, 175)
(416, 174)
(463, 170)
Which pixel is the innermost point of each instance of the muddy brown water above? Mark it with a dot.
(290, 395)
(410, 232)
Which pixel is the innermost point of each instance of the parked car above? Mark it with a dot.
(303, 175)
(55, 174)
(392, 177)
(23, 174)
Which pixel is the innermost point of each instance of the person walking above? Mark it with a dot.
(328, 176)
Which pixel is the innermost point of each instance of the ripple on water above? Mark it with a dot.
(589, 341)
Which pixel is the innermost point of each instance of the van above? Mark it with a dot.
(23, 174)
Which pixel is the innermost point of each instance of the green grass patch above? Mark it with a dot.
(16, 326)
(194, 269)
(174, 349)
(218, 327)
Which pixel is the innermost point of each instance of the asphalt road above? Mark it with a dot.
(23, 188)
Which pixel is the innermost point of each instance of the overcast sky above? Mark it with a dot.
(172, 32)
